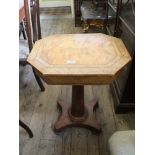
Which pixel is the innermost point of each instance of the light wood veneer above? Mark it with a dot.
(79, 58)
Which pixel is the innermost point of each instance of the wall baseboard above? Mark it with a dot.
(59, 4)
(55, 4)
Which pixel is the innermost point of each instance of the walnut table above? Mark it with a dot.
(78, 60)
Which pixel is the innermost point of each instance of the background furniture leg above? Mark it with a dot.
(26, 128)
(38, 80)
(23, 29)
(85, 27)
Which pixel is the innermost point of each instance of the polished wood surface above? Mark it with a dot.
(38, 109)
(79, 58)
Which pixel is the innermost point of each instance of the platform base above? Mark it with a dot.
(88, 121)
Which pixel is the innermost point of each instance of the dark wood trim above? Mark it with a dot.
(126, 102)
(78, 22)
(118, 105)
(129, 92)
(28, 26)
(38, 20)
(77, 12)
(117, 21)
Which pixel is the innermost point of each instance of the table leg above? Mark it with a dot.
(79, 114)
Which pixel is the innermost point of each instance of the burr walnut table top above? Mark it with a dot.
(79, 58)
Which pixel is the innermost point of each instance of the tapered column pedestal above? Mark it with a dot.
(79, 114)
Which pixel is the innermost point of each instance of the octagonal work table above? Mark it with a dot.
(78, 60)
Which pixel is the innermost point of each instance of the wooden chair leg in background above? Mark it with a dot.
(38, 80)
(26, 128)
(23, 29)
(34, 32)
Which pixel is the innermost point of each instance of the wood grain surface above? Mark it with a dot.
(79, 58)
(74, 141)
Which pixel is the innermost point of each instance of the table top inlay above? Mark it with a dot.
(79, 55)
